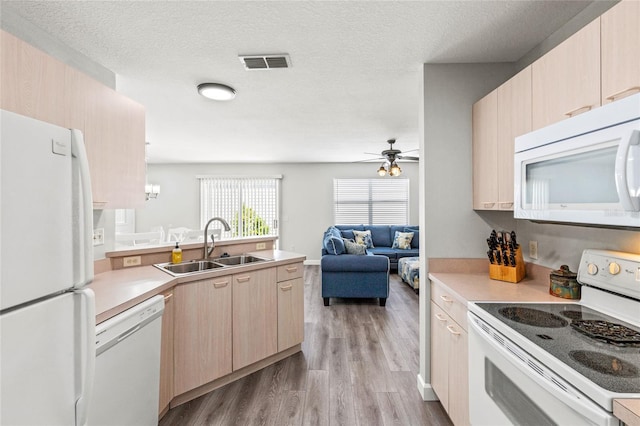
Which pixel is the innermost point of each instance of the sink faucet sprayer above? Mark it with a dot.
(206, 253)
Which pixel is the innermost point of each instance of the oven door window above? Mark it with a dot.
(513, 402)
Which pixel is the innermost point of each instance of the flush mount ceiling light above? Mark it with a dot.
(216, 91)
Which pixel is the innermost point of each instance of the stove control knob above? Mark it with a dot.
(592, 269)
(614, 268)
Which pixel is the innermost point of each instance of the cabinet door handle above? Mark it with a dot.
(167, 297)
(623, 92)
(292, 269)
(579, 110)
(488, 205)
(506, 205)
(243, 279)
(287, 287)
(220, 284)
(440, 317)
(446, 299)
(452, 330)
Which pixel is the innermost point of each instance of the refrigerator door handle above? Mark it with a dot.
(82, 404)
(86, 230)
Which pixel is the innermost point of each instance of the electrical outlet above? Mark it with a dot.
(132, 261)
(98, 237)
(533, 249)
(261, 246)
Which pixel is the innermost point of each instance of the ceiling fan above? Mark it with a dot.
(390, 156)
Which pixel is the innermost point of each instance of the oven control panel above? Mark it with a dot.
(615, 271)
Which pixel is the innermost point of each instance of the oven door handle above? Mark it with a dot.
(541, 374)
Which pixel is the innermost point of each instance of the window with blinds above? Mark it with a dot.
(371, 201)
(248, 204)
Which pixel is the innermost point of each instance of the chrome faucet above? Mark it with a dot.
(206, 253)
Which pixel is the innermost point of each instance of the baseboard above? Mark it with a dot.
(312, 262)
(426, 391)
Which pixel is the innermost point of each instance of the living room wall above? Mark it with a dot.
(306, 197)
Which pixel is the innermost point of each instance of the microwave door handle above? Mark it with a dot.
(630, 202)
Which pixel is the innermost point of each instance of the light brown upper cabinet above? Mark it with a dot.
(566, 81)
(32, 82)
(36, 85)
(497, 119)
(114, 136)
(620, 39)
(514, 119)
(485, 149)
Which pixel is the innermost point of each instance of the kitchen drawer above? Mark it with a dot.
(455, 308)
(290, 271)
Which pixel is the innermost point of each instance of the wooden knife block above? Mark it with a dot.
(512, 274)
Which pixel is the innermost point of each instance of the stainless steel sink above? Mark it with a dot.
(191, 267)
(239, 260)
(200, 266)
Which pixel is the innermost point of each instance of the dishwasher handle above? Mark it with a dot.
(129, 332)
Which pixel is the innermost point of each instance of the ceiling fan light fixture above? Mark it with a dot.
(395, 170)
(382, 171)
(216, 91)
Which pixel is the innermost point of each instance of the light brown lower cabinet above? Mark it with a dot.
(166, 353)
(214, 327)
(255, 317)
(290, 305)
(449, 369)
(202, 332)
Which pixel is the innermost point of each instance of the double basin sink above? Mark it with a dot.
(199, 266)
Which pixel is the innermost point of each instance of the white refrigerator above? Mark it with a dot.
(47, 318)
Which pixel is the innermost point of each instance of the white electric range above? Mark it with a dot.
(559, 363)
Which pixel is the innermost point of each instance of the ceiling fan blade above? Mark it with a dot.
(407, 157)
(411, 150)
(370, 160)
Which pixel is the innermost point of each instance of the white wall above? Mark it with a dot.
(307, 197)
(451, 228)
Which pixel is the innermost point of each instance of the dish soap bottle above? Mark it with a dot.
(176, 254)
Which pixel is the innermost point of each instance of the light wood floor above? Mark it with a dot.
(358, 366)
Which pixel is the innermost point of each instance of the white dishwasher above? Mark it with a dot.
(127, 372)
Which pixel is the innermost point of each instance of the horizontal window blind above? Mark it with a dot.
(371, 201)
(249, 205)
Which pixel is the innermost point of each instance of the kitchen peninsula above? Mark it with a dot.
(219, 325)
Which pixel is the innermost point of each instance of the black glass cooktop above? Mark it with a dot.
(600, 347)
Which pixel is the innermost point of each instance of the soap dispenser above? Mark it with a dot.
(176, 254)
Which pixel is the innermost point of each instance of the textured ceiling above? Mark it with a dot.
(354, 82)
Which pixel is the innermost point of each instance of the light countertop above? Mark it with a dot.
(475, 287)
(119, 290)
(627, 410)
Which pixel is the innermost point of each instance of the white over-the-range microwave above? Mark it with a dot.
(583, 170)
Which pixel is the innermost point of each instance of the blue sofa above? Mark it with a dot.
(350, 275)
(382, 236)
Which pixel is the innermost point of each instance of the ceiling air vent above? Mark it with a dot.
(265, 62)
